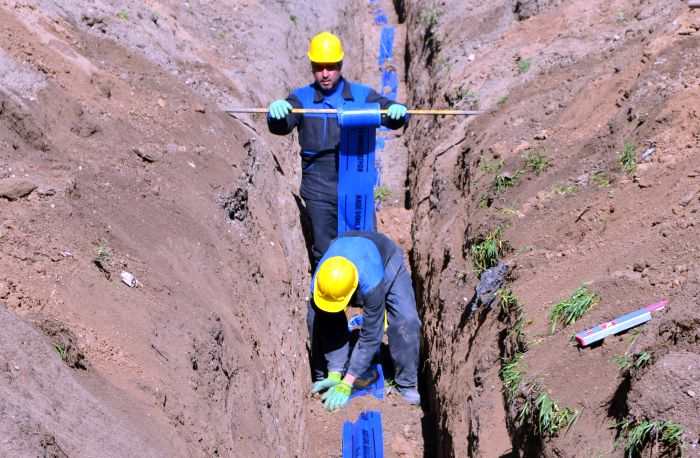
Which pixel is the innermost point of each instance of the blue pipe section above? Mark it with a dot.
(357, 172)
(364, 438)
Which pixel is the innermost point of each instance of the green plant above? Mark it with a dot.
(483, 202)
(507, 301)
(503, 100)
(487, 253)
(123, 15)
(511, 374)
(155, 16)
(444, 64)
(628, 160)
(102, 251)
(548, 418)
(621, 17)
(563, 190)
(381, 193)
(508, 211)
(631, 364)
(61, 351)
(536, 160)
(524, 65)
(294, 19)
(640, 433)
(601, 180)
(486, 166)
(428, 17)
(570, 310)
(223, 36)
(506, 180)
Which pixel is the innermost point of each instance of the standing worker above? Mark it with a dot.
(367, 269)
(319, 134)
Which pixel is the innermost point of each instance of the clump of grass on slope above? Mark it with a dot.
(546, 415)
(511, 374)
(487, 253)
(629, 365)
(640, 433)
(628, 160)
(570, 310)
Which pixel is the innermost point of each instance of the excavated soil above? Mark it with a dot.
(116, 156)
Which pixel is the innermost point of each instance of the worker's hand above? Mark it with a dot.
(396, 111)
(329, 382)
(279, 109)
(337, 397)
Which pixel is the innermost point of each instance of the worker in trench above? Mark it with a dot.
(319, 134)
(363, 269)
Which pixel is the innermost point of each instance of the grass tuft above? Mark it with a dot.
(601, 180)
(570, 310)
(61, 351)
(628, 160)
(102, 251)
(536, 161)
(506, 180)
(547, 416)
(487, 253)
(123, 15)
(640, 433)
(630, 365)
(381, 193)
(511, 374)
(524, 65)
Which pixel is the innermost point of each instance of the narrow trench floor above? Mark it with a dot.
(404, 426)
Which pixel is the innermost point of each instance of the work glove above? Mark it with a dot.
(279, 109)
(337, 397)
(396, 111)
(329, 382)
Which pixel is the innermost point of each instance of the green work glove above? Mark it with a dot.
(396, 111)
(329, 382)
(279, 109)
(337, 397)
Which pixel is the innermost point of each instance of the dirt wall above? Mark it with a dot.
(573, 84)
(115, 156)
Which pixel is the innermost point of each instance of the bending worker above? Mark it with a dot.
(319, 134)
(365, 269)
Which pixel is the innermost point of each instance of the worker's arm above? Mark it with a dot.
(371, 332)
(285, 125)
(384, 104)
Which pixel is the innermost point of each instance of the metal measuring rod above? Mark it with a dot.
(434, 112)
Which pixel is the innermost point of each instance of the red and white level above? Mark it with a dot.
(619, 324)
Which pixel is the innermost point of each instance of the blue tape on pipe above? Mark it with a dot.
(380, 17)
(357, 172)
(386, 45)
(359, 115)
(390, 84)
(364, 438)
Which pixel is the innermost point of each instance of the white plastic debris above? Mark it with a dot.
(129, 279)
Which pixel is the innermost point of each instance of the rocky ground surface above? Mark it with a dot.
(116, 156)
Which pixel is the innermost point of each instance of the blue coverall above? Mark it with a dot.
(384, 284)
(319, 138)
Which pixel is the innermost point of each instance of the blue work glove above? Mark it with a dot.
(337, 397)
(279, 109)
(329, 382)
(396, 111)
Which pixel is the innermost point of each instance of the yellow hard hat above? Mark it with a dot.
(325, 48)
(336, 281)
